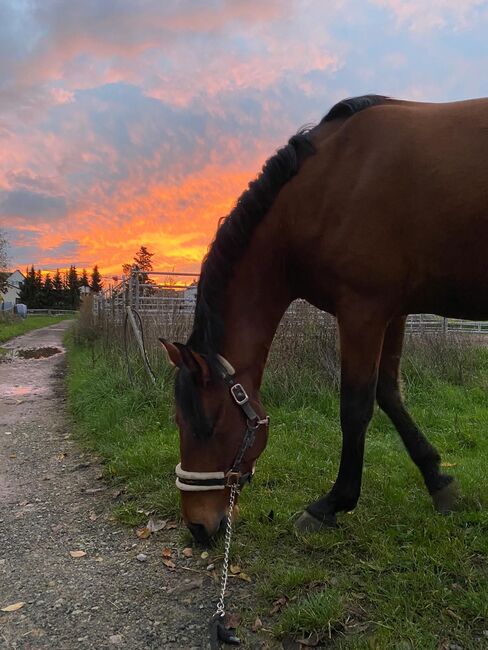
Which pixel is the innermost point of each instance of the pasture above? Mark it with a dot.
(394, 574)
(14, 326)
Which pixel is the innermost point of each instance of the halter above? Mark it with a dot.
(205, 481)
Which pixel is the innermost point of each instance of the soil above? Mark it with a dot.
(53, 500)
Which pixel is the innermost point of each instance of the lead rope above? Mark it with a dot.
(218, 632)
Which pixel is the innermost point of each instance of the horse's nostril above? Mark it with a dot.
(199, 533)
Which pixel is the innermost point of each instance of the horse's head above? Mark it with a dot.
(222, 433)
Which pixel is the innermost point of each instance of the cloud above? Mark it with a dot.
(421, 16)
(31, 205)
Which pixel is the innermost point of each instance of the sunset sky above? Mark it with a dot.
(126, 122)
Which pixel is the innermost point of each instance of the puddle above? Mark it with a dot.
(37, 353)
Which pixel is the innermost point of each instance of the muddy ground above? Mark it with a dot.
(53, 501)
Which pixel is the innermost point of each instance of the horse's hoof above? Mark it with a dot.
(447, 499)
(307, 523)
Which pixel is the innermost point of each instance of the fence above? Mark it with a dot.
(173, 301)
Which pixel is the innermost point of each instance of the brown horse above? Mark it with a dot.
(379, 211)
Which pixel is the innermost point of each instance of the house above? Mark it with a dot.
(12, 295)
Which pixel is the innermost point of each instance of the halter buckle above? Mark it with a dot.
(239, 394)
(233, 478)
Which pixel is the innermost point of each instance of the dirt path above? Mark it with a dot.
(52, 501)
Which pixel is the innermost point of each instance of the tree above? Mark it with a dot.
(73, 287)
(59, 293)
(47, 294)
(143, 263)
(84, 279)
(30, 289)
(96, 284)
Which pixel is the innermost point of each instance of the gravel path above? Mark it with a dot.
(53, 501)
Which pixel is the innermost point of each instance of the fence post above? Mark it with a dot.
(444, 326)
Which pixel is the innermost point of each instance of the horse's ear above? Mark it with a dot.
(195, 362)
(173, 352)
(180, 355)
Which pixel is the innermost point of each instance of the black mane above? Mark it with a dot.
(233, 236)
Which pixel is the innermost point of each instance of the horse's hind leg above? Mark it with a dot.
(442, 488)
(361, 337)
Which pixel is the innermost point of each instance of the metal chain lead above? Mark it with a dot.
(234, 490)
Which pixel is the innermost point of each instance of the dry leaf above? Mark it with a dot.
(244, 576)
(62, 455)
(257, 625)
(171, 524)
(166, 552)
(143, 533)
(278, 605)
(155, 525)
(448, 464)
(76, 554)
(188, 552)
(12, 608)
(170, 564)
(93, 516)
(235, 569)
(204, 555)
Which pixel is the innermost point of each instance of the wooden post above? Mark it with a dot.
(140, 343)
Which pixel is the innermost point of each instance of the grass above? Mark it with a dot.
(394, 574)
(15, 327)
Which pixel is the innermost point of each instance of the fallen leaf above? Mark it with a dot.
(257, 625)
(169, 563)
(235, 569)
(166, 552)
(155, 525)
(12, 608)
(171, 524)
(188, 552)
(244, 576)
(448, 464)
(76, 554)
(143, 533)
(62, 455)
(278, 605)
(204, 555)
(13, 456)
(93, 516)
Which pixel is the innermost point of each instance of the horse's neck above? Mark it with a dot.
(258, 295)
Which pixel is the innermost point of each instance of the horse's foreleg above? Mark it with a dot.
(441, 486)
(361, 338)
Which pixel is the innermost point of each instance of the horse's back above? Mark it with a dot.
(404, 206)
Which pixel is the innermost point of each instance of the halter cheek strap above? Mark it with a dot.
(204, 481)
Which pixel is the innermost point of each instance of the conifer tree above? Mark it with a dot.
(84, 282)
(48, 296)
(96, 284)
(58, 290)
(73, 288)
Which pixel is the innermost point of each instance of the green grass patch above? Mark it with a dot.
(394, 574)
(11, 328)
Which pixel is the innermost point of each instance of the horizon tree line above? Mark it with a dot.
(61, 291)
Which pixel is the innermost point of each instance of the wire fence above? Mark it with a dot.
(170, 297)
